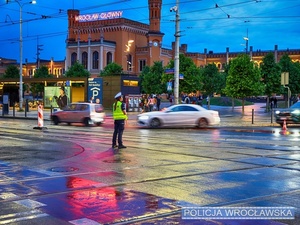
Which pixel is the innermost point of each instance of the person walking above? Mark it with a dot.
(158, 100)
(119, 116)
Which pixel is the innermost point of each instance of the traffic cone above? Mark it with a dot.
(284, 127)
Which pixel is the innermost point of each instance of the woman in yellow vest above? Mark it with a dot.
(119, 115)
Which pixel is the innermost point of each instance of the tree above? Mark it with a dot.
(244, 79)
(151, 79)
(213, 81)
(112, 69)
(42, 72)
(77, 70)
(294, 73)
(270, 72)
(12, 72)
(191, 81)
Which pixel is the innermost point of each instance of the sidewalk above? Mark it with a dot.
(254, 115)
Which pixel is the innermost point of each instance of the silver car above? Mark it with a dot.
(183, 115)
(86, 113)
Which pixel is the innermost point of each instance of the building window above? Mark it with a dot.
(95, 60)
(129, 62)
(142, 64)
(73, 58)
(134, 83)
(108, 58)
(84, 60)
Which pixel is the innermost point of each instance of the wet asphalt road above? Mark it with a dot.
(70, 175)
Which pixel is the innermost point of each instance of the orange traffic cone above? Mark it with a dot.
(284, 125)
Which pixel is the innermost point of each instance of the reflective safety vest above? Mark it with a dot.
(118, 113)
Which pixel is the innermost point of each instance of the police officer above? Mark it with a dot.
(119, 115)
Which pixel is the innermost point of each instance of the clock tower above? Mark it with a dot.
(154, 36)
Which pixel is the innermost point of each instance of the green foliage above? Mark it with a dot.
(213, 81)
(11, 72)
(244, 79)
(270, 72)
(77, 70)
(294, 73)
(112, 69)
(192, 75)
(151, 79)
(42, 72)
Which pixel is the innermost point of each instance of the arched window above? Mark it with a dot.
(108, 58)
(95, 60)
(129, 62)
(73, 58)
(84, 60)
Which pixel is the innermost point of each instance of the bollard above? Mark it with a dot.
(40, 118)
(14, 110)
(252, 116)
(272, 114)
(26, 106)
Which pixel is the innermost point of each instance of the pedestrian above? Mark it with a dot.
(158, 100)
(275, 102)
(200, 98)
(62, 99)
(207, 100)
(151, 102)
(119, 116)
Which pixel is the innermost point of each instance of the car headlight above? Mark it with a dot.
(277, 112)
(143, 117)
(297, 111)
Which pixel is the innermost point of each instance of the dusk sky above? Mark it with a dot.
(208, 24)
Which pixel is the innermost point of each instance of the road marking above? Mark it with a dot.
(31, 204)
(8, 195)
(15, 217)
(84, 221)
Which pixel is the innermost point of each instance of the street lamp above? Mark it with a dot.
(176, 58)
(21, 50)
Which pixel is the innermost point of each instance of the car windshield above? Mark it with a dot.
(296, 105)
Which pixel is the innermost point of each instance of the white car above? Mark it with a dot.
(183, 115)
(81, 112)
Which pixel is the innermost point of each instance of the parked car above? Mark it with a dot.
(290, 115)
(183, 115)
(86, 113)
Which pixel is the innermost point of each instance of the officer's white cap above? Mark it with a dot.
(118, 95)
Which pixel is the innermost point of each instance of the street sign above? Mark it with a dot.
(169, 86)
(169, 71)
(285, 78)
(95, 91)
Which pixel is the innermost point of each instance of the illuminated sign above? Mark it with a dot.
(99, 16)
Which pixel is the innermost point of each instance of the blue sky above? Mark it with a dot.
(208, 24)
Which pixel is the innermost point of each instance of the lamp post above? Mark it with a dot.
(176, 58)
(21, 51)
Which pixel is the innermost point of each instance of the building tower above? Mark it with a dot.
(154, 36)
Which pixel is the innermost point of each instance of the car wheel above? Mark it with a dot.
(155, 123)
(202, 123)
(55, 120)
(86, 122)
(98, 124)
